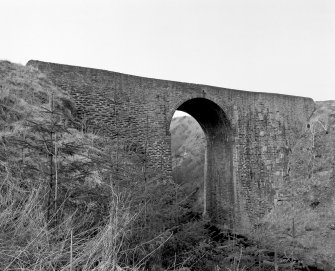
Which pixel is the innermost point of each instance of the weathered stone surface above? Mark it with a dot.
(249, 134)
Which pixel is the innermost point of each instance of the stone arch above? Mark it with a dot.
(258, 119)
(218, 169)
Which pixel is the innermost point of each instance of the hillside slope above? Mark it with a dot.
(188, 149)
(58, 183)
(303, 219)
(23, 93)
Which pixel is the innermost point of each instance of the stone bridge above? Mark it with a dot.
(249, 134)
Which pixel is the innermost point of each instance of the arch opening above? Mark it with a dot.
(187, 151)
(218, 188)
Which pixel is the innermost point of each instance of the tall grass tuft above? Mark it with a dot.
(26, 242)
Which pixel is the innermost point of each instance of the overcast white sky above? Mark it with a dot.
(282, 46)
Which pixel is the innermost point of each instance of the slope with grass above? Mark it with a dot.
(50, 201)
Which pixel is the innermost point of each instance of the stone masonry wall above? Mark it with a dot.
(263, 129)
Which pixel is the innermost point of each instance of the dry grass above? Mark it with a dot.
(27, 241)
(28, 244)
(24, 93)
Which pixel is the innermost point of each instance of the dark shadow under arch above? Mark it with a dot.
(218, 168)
